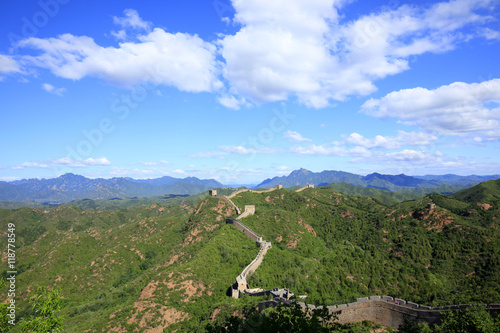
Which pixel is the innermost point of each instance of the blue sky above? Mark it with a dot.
(240, 91)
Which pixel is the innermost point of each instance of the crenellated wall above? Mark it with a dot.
(384, 310)
(241, 280)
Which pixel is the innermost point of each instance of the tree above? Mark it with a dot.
(474, 319)
(46, 304)
(284, 318)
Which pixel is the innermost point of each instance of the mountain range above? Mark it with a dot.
(303, 177)
(70, 187)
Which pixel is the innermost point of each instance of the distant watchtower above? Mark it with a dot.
(432, 205)
(310, 185)
(278, 187)
(212, 193)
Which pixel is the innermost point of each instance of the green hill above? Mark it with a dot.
(393, 197)
(487, 192)
(170, 266)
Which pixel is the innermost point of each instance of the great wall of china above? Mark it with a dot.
(384, 310)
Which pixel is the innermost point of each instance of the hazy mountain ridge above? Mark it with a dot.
(302, 177)
(70, 187)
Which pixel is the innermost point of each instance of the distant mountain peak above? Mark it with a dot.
(300, 171)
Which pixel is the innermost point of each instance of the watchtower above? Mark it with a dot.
(212, 193)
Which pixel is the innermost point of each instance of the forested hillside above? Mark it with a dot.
(170, 266)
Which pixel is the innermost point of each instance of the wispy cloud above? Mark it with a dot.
(8, 65)
(154, 163)
(132, 20)
(64, 162)
(53, 90)
(389, 142)
(236, 150)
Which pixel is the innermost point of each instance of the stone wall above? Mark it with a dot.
(305, 187)
(238, 211)
(241, 282)
(384, 310)
(249, 190)
(246, 230)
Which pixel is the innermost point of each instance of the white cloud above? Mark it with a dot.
(180, 60)
(409, 155)
(326, 150)
(80, 163)
(51, 89)
(9, 179)
(8, 65)
(234, 150)
(390, 142)
(231, 102)
(455, 109)
(283, 49)
(30, 165)
(283, 168)
(153, 163)
(120, 35)
(294, 137)
(241, 150)
(97, 161)
(64, 162)
(295, 48)
(132, 20)
(490, 34)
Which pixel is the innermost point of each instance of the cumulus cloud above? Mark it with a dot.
(180, 60)
(53, 90)
(296, 48)
(283, 49)
(294, 137)
(457, 109)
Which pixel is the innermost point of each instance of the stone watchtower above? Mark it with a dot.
(212, 193)
(278, 187)
(250, 209)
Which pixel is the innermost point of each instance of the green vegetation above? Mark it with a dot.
(473, 319)
(390, 198)
(170, 265)
(288, 318)
(45, 305)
